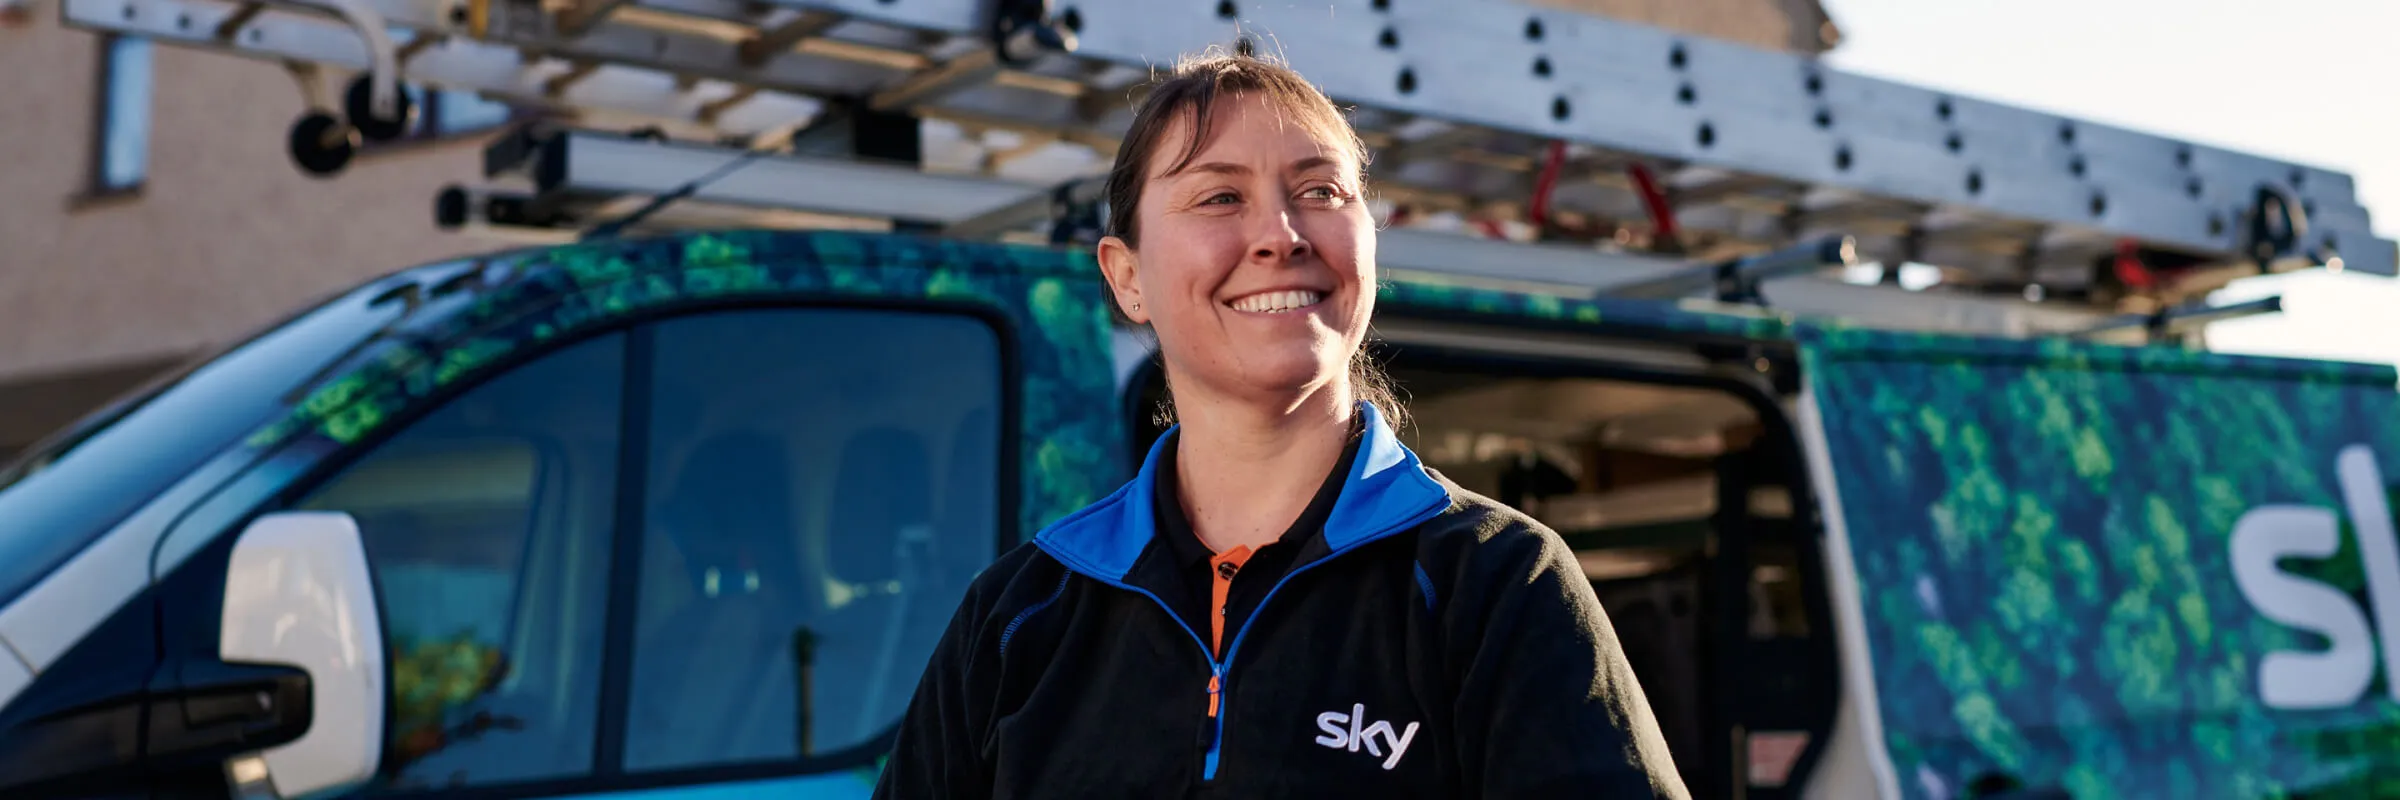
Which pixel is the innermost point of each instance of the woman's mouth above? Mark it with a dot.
(1277, 302)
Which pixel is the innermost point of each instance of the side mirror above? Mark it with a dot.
(298, 594)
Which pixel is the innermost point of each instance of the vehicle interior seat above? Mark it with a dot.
(880, 550)
(714, 680)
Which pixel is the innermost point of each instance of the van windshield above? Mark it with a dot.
(62, 495)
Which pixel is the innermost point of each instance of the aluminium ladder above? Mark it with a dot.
(1614, 143)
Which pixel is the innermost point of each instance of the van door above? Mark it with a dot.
(686, 513)
(2112, 572)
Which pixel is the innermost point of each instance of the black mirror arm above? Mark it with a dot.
(221, 710)
(215, 713)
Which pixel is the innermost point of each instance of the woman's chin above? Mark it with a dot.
(1291, 380)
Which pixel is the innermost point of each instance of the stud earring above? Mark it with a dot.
(1137, 306)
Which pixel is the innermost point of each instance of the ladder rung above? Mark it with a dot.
(233, 23)
(766, 43)
(714, 109)
(975, 67)
(576, 71)
(282, 35)
(683, 51)
(581, 15)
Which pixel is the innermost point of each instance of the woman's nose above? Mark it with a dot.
(1277, 237)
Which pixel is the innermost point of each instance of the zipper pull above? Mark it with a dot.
(1215, 728)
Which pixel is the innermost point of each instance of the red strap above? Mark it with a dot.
(1662, 215)
(1554, 160)
(2129, 267)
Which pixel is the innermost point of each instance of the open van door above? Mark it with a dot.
(2066, 569)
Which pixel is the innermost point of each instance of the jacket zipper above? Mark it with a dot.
(1219, 679)
(1216, 670)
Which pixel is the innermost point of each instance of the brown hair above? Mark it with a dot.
(1194, 86)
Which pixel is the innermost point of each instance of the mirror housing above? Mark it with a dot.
(298, 594)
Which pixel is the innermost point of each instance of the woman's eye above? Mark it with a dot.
(1224, 196)
(1321, 193)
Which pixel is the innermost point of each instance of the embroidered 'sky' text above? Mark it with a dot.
(1351, 732)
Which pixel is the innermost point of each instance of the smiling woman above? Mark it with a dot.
(1303, 145)
(1430, 641)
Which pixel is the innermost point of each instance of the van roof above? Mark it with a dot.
(586, 284)
(668, 251)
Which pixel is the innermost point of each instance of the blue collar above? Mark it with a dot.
(1387, 492)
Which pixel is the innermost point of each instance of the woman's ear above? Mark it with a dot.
(1122, 268)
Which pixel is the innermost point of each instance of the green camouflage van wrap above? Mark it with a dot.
(1050, 299)
(1624, 315)
(2045, 535)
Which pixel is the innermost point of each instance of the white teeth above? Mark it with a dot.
(1270, 302)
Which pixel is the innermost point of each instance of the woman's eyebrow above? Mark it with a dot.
(1213, 168)
(1237, 170)
(1313, 162)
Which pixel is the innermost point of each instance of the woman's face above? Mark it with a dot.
(1255, 260)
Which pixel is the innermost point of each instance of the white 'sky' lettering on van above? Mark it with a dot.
(2338, 675)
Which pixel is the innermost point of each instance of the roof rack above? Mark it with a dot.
(1558, 135)
(562, 184)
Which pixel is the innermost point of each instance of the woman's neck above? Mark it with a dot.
(1245, 473)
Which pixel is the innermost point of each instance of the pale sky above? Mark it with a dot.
(2312, 81)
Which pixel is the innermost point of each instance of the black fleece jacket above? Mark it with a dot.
(1425, 641)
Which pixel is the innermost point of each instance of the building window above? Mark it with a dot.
(121, 155)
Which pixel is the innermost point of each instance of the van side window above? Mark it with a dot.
(823, 485)
(487, 526)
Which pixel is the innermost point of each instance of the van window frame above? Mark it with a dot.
(333, 468)
(243, 498)
(632, 531)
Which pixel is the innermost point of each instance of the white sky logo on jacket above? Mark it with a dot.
(1355, 737)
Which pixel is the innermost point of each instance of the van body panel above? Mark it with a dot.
(1634, 318)
(1856, 764)
(14, 674)
(47, 620)
(64, 606)
(2044, 537)
(1396, 327)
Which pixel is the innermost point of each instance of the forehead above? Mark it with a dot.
(1243, 127)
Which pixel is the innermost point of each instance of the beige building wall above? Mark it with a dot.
(227, 235)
